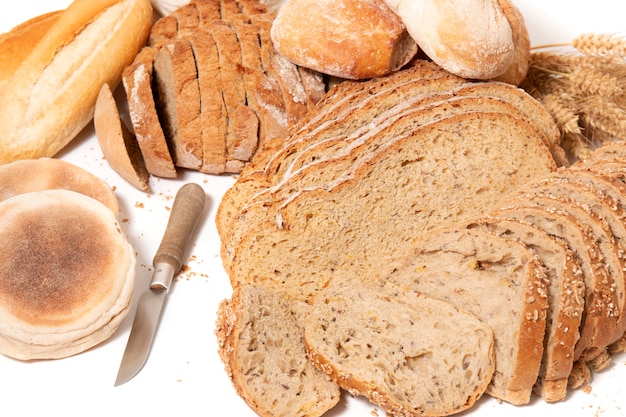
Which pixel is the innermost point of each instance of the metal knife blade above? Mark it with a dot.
(168, 260)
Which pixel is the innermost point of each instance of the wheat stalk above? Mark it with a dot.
(600, 44)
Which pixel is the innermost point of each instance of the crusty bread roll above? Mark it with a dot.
(30, 175)
(66, 274)
(50, 98)
(517, 70)
(469, 38)
(353, 39)
(16, 44)
(118, 144)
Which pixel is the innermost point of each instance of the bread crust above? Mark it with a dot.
(353, 39)
(51, 97)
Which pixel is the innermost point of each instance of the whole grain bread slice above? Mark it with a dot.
(366, 217)
(599, 321)
(261, 342)
(499, 280)
(408, 353)
(566, 300)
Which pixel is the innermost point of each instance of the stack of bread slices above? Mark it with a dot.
(456, 191)
(209, 90)
(67, 270)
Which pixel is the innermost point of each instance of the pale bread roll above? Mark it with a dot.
(469, 38)
(118, 143)
(353, 39)
(43, 174)
(51, 96)
(66, 274)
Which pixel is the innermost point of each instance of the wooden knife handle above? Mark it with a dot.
(186, 210)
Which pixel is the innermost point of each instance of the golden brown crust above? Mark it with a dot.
(16, 44)
(516, 72)
(348, 39)
(103, 36)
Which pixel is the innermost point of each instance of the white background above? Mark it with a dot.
(184, 375)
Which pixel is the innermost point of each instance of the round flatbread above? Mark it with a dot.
(66, 274)
(41, 174)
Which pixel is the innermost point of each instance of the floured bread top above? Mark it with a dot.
(41, 174)
(66, 268)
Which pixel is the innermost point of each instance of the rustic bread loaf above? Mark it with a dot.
(344, 38)
(408, 353)
(499, 280)
(50, 99)
(261, 342)
(54, 174)
(566, 300)
(67, 274)
(470, 38)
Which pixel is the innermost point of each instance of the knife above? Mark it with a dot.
(168, 260)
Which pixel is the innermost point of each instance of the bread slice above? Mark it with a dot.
(600, 320)
(118, 143)
(261, 342)
(564, 186)
(499, 280)
(408, 353)
(137, 80)
(566, 300)
(179, 98)
(52, 174)
(610, 255)
(67, 274)
(383, 185)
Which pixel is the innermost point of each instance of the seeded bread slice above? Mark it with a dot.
(408, 353)
(600, 320)
(566, 300)
(565, 188)
(499, 280)
(261, 342)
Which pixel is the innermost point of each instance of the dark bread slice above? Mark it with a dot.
(179, 100)
(138, 82)
(410, 354)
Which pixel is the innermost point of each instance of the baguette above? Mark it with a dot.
(50, 97)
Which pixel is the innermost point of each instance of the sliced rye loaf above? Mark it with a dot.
(366, 217)
(361, 145)
(179, 99)
(599, 321)
(410, 354)
(566, 300)
(499, 280)
(137, 80)
(261, 342)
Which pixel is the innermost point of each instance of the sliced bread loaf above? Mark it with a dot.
(566, 300)
(599, 321)
(411, 184)
(408, 353)
(261, 342)
(499, 280)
